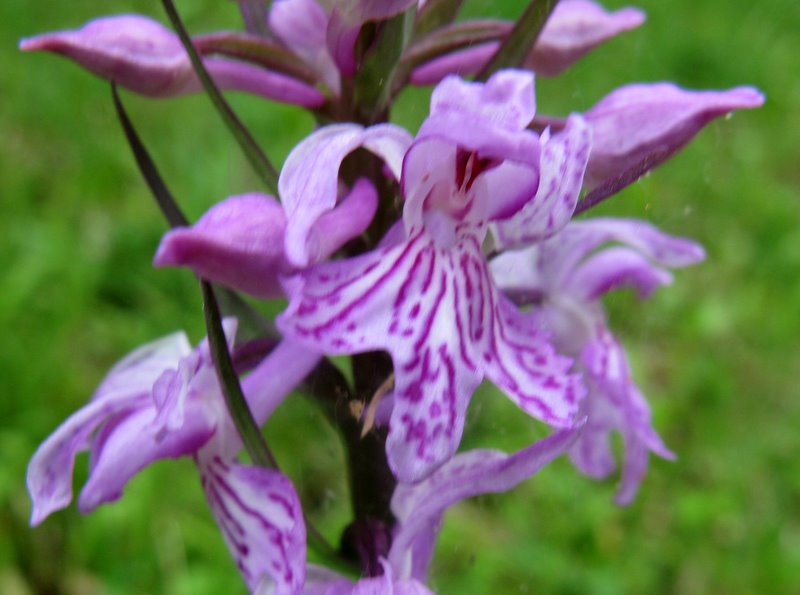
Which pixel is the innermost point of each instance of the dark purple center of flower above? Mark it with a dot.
(469, 165)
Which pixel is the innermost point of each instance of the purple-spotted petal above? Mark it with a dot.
(526, 367)
(435, 310)
(563, 162)
(574, 28)
(420, 507)
(142, 55)
(239, 242)
(261, 520)
(309, 181)
(125, 388)
(399, 299)
(638, 126)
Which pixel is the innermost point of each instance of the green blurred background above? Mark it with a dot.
(717, 353)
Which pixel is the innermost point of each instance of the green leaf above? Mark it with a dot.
(255, 325)
(238, 409)
(258, 160)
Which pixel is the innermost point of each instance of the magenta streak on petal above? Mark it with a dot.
(460, 327)
(220, 493)
(340, 316)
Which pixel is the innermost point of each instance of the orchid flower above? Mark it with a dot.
(426, 295)
(566, 277)
(164, 401)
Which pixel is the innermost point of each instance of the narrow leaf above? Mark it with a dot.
(258, 160)
(148, 169)
(523, 36)
(231, 301)
(238, 409)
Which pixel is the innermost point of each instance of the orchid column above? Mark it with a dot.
(433, 261)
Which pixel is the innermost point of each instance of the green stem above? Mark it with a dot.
(523, 36)
(257, 158)
(238, 409)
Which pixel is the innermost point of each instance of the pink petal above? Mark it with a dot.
(261, 520)
(265, 388)
(126, 387)
(563, 162)
(615, 404)
(440, 318)
(503, 104)
(638, 126)
(547, 267)
(309, 180)
(348, 220)
(574, 28)
(142, 55)
(421, 506)
(238, 242)
(128, 444)
(613, 268)
(302, 25)
(49, 476)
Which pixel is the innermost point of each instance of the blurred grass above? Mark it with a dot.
(717, 353)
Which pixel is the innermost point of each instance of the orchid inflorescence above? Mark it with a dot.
(435, 260)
